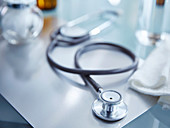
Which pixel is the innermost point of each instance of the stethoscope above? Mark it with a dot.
(109, 105)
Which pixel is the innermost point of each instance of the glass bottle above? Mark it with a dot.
(21, 21)
(46, 4)
(153, 23)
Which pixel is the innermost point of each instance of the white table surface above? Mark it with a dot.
(47, 100)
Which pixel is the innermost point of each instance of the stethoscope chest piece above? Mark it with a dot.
(110, 106)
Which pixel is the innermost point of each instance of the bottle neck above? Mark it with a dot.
(18, 4)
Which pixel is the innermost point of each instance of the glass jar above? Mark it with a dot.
(46, 4)
(21, 21)
(153, 21)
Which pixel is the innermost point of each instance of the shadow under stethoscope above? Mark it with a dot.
(24, 59)
(115, 81)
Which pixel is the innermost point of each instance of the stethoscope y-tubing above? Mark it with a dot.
(85, 74)
(92, 72)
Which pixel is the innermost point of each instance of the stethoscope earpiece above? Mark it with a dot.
(109, 106)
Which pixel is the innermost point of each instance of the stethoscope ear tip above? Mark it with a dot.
(109, 106)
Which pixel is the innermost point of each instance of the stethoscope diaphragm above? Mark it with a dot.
(110, 106)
